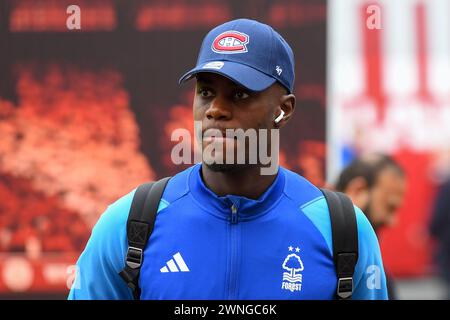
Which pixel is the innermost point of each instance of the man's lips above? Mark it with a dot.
(218, 135)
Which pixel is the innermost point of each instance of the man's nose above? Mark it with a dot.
(219, 109)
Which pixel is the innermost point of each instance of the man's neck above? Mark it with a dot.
(246, 182)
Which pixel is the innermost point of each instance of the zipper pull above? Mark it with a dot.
(233, 214)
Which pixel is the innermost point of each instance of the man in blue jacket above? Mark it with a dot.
(226, 230)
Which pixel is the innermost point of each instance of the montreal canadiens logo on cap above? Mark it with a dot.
(229, 42)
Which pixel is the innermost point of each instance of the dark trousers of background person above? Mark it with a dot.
(440, 230)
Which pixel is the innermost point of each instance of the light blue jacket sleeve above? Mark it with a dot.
(369, 277)
(98, 267)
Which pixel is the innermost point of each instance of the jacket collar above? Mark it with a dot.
(247, 209)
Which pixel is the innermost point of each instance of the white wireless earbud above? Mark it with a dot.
(278, 119)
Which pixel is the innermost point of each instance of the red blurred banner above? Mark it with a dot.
(48, 273)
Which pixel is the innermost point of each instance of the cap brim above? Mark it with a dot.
(242, 74)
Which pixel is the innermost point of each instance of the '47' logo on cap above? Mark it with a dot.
(230, 42)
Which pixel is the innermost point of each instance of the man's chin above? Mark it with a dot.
(378, 226)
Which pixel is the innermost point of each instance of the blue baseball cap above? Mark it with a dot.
(247, 52)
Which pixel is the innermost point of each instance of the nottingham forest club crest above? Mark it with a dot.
(292, 277)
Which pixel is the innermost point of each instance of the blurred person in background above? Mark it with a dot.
(376, 184)
(440, 220)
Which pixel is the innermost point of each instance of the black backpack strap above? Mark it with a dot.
(345, 240)
(141, 220)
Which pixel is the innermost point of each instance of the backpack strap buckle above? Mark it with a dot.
(345, 287)
(134, 257)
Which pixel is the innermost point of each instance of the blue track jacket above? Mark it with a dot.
(208, 247)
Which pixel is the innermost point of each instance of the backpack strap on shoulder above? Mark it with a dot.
(141, 220)
(345, 240)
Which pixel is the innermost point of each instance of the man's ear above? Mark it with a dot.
(287, 104)
(358, 190)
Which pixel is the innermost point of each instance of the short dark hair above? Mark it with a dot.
(368, 167)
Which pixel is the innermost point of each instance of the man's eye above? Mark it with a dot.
(205, 93)
(241, 95)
